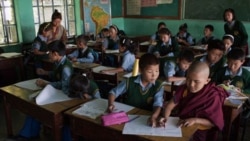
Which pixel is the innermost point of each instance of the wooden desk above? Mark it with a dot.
(93, 130)
(50, 115)
(11, 70)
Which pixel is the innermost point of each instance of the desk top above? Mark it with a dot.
(22, 94)
(186, 131)
(83, 66)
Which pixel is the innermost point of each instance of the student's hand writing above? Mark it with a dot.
(41, 83)
(152, 121)
(111, 108)
(86, 96)
(187, 122)
(40, 71)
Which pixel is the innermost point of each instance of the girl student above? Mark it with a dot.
(129, 49)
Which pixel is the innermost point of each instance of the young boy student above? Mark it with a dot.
(214, 57)
(198, 102)
(167, 46)
(184, 38)
(176, 70)
(83, 54)
(156, 36)
(39, 46)
(143, 91)
(102, 35)
(59, 79)
(129, 49)
(208, 35)
(233, 73)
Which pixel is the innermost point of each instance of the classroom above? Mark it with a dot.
(115, 53)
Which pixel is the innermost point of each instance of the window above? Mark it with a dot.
(43, 10)
(8, 30)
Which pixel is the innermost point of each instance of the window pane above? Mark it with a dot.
(71, 13)
(70, 2)
(72, 28)
(58, 2)
(47, 14)
(12, 35)
(34, 2)
(40, 15)
(47, 2)
(35, 11)
(1, 33)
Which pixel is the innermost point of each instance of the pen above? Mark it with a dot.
(133, 118)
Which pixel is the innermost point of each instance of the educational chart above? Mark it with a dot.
(97, 15)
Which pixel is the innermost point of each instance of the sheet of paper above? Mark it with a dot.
(176, 83)
(139, 126)
(10, 54)
(50, 95)
(71, 46)
(145, 43)
(98, 107)
(100, 68)
(164, 1)
(28, 84)
(109, 51)
(148, 3)
(128, 75)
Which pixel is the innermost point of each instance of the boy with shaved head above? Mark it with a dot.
(198, 102)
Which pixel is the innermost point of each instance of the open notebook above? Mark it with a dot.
(97, 107)
(10, 54)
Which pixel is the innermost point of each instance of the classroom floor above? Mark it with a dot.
(18, 119)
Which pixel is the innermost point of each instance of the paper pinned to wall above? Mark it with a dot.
(133, 7)
(139, 126)
(50, 95)
(148, 3)
(164, 1)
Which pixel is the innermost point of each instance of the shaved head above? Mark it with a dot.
(199, 67)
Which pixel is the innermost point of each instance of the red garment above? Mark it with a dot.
(207, 103)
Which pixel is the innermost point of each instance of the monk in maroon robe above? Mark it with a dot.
(199, 102)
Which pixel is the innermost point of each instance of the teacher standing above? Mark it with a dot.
(58, 32)
(235, 28)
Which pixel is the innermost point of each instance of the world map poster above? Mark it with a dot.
(97, 15)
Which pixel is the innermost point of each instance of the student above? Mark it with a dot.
(60, 80)
(143, 91)
(234, 73)
(167, 46)
(235, 28)
(81, 87)
(198, 102)
(58, 32)
(183, 37)
(177, 71)
(111, 43)
(62, 71)
(214, 57)
(102, 35)
(39, 46)
(129, 49)
(156, 37)
(228, 41)
(83, 54)
(208, 35)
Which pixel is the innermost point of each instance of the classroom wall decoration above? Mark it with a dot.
(158, 9)
(213, 9)
(97, 15)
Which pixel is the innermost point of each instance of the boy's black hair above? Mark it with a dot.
(57, 46)
(210, 27)
(187, 55)
(131, 45)
(83, 39)
(236, 54)
(160, 24)
(216, 44)
(78, 85)
(164, 31)
(105, 30)
(231, 11)
(148, 59)
(183, 27)
(46, 26)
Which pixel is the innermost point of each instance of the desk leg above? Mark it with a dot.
(232, 116)
(57, 129)
(7, 116)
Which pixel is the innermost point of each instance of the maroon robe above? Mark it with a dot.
(207, 103)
